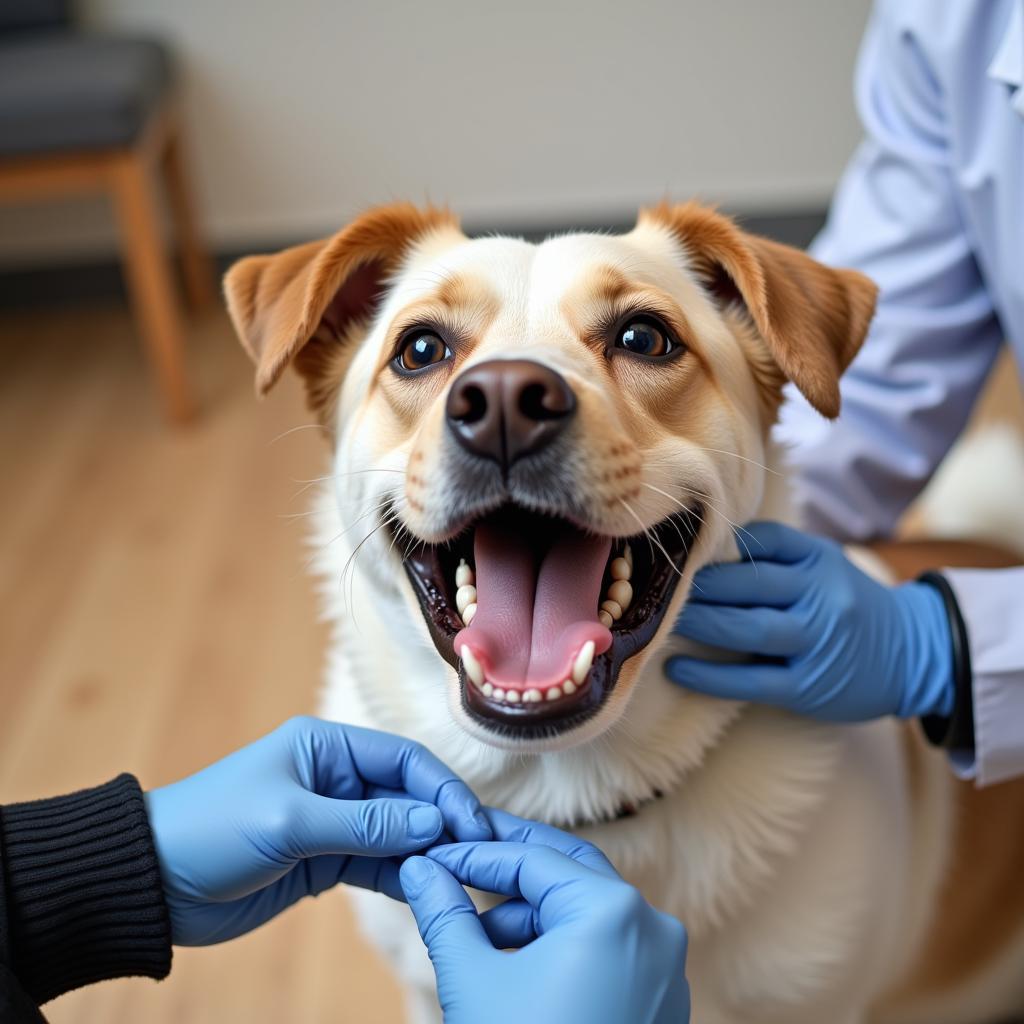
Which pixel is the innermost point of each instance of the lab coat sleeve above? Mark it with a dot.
(896, 217)
(992, 605)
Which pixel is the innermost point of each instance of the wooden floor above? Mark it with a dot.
(155, 615)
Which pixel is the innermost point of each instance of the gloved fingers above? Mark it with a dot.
(765, 684)
(774, 542)
(510, 925)
(383, 759)
(378, 874)
(552, 883)
(444, 913)
(370, 828)
(427, 778)
(510, 829)
(767, 631)
(310, 878)
(749, 584)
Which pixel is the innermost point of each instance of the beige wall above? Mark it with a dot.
(516, 113)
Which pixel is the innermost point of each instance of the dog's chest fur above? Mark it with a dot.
(764, 840)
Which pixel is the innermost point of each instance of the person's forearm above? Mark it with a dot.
(992, 605)
(82, 895)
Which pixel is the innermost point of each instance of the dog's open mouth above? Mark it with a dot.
(539, 615)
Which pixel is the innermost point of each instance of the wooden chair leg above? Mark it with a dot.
(196, 266)
(150, 281)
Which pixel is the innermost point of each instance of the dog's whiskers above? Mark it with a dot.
(349, 567)
(307, 484)
(737, 529)
(400, 529)
(321, 548)
(683, 506)
(651, 538)
(295, 430)
(675, 525)
(742, 458)
(705, 499)
(298, 515)
(352, 472)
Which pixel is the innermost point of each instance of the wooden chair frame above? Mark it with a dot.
(130, 177)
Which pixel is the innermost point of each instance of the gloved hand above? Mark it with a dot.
(593, 951)
(845, 648)
(312, 804)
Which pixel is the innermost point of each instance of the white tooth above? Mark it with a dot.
(464, 597)
(468, 612)
(464, 574)
(498, 693)
(581, 666)
(613, 608)
(554, 692)
(606, 619)
(627, 554)
(512, 696)
(568, 687)
(487, 689)
(622, 592)
(471, 665)
(620, 569)
(533, 696)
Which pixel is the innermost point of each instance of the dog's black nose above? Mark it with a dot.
(504, 409)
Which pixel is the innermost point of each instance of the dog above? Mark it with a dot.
(535, 447)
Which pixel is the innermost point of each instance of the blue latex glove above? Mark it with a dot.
(313, 804)
(595, 951)
(844, 647)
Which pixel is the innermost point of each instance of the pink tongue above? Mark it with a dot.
(532, 620)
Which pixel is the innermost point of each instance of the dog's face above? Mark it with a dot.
(543, 442)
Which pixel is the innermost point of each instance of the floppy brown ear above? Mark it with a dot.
(278, 302)
(813, 318)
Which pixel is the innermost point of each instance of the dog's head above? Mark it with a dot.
(549, 438)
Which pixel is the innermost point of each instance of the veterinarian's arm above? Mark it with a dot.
(601, 955)
(896, 217)
(312, 804)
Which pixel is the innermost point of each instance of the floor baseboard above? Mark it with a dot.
(73, 284)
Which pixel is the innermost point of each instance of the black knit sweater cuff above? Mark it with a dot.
(83, 891)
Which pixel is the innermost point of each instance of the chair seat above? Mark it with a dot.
(66, 91)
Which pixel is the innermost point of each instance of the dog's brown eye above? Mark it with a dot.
(645, 338)
(421, 350)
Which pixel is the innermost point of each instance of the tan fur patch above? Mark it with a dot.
(322, 364)
(277, 302)
(770, 379)
(605, 294)
(812, 318)
(979, 908)
(469, 297)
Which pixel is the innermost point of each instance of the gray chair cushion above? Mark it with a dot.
(19, 15)
(64, 91)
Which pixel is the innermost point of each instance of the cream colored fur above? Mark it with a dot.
(789, 849)
(784, 846)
